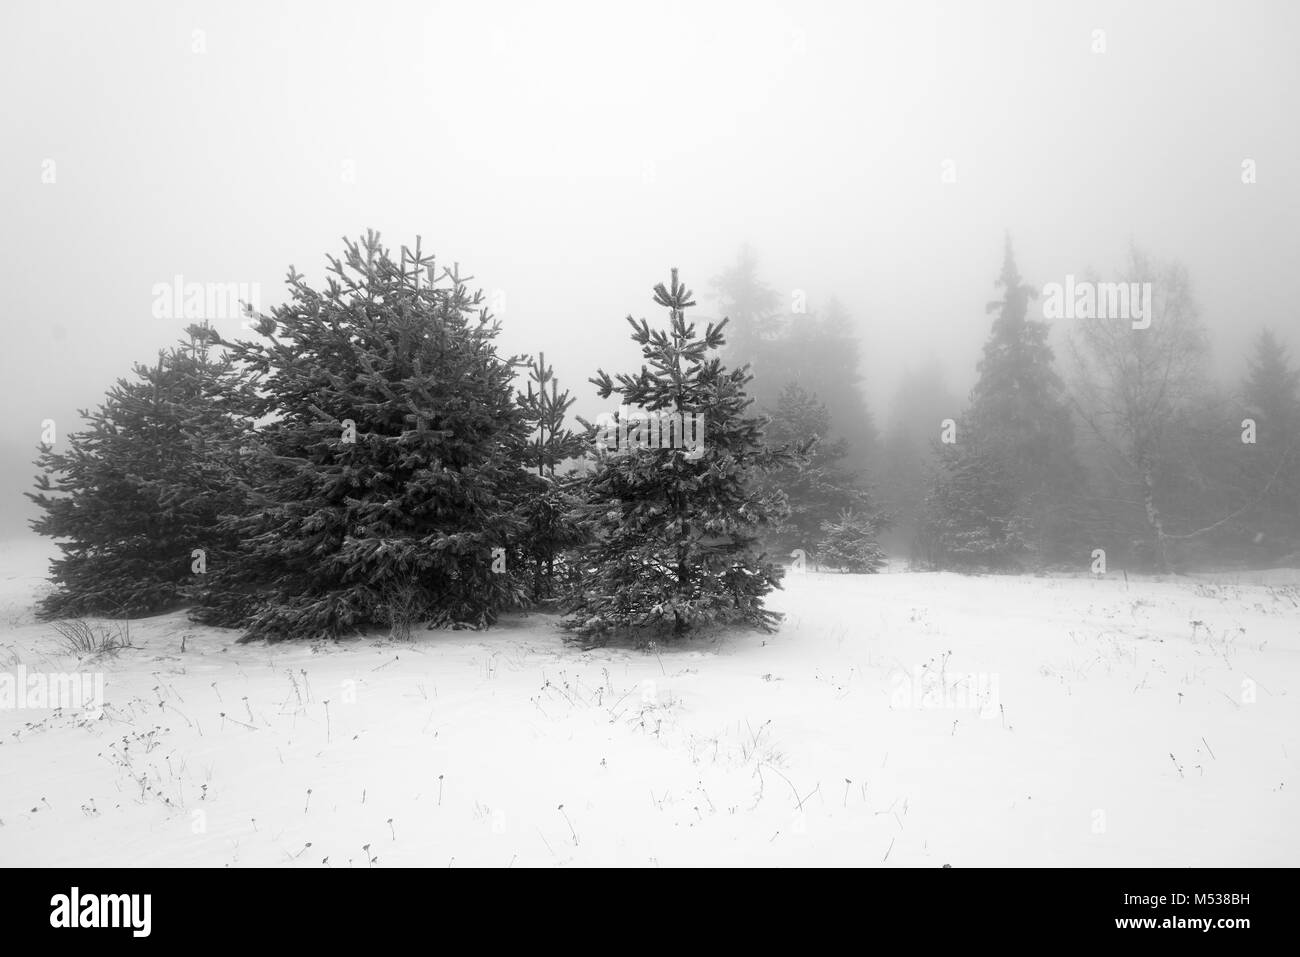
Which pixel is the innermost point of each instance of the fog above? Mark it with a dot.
(567, 155)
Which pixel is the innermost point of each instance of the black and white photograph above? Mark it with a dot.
(795, 434)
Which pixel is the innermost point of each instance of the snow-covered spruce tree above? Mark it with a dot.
(970, 518)
(550, 511)
(1017, 432)
(818, 486)
(387, 478)
(674, 507)
(134, 498)
(849, 544)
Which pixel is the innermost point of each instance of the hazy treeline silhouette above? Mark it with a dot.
(1124, 443)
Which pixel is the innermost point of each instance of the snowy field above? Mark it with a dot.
(898, 720)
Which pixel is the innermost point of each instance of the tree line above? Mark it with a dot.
(1125, 449)
(368, 459)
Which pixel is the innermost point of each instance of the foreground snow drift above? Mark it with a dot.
(898, 719)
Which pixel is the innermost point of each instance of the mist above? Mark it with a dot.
(567, 156)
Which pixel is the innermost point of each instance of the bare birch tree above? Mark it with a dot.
(1136, 387)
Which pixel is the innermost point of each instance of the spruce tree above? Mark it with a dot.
(1017, 433)
(849, 544)
(815, 349)
(820, 352)
(134, 498)
(677, 523)
(818, 486)
(972, 516)
(752, 307)
(552, 526)
(387, 480)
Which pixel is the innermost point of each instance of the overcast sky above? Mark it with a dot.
(568, 154)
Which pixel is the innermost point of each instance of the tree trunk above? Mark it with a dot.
(1154, 518)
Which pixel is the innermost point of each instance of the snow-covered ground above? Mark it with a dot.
(900, 719)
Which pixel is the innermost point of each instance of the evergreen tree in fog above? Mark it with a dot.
(134, 499)
(819, 486)
(1000, 489)
(677, 524)
(814, 349)
(388, 478)
(549, 510)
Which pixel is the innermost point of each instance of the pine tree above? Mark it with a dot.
(817, 485)
(849, 544)
(134, 499)
(388, 479)
(1016, 432)
(550, 509)
(821, 352)
(676, 514)
(971, 518)
(817, 350)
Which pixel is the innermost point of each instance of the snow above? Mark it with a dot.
(901, 719)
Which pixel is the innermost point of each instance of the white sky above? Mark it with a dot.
(569, 154)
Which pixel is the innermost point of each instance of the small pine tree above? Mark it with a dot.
(135, 498)
(550, 511)
(849, 543)
(676, 527)
(388, 479)
(970, 515)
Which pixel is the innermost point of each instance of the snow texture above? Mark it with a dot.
(900, 719)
